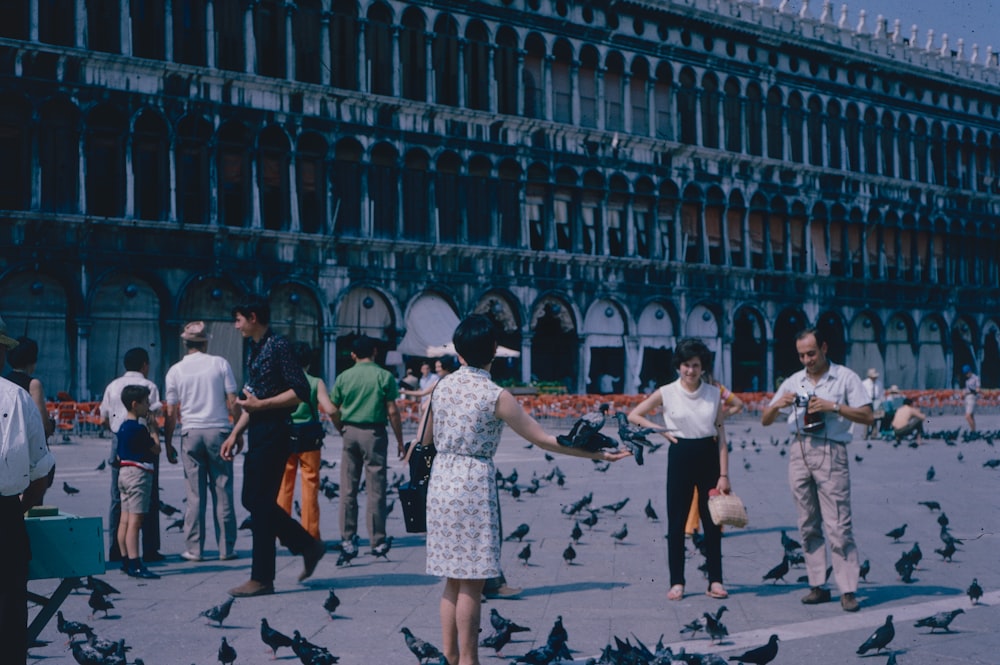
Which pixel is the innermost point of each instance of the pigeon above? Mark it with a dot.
(931, 505)
(69, 489)
(943, 520)
(525, 554)
(569, 554)
(499, 622)
(273, 639)
(326, 464)
(789, 544)
(97, 584)
(71, 628)
(105, 647)
(615, 507)
(98, 603)
(331, 603)
(577, 533)
(650, 512)
(309, 653)
(167, 509)
(176, 524)
(227, 654)
(693, 627)
(716, 629)
(598, 466)
(879, 639)
(993, 463)
(346, 556)
(760, 655)
(577, 506)
(947, 551)
(904, 566)
(940, 620)
(85, 654)
(498, 640)
(975, 591)
(102, 465)
(585, 428)
(866, 567)
(620, 534)
(381, 551)
(246, 524)
(930, 474)
(422, 650)
(590, 520)
(218, 612)
(915, 555)
(897, 533)
(778, 572)
(635, 434)
(557, 640)
(520, 532)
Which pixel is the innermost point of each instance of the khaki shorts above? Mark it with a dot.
(970, 404)
(135, 486)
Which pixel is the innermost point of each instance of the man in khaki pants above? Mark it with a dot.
(364, 398)
(820, 403)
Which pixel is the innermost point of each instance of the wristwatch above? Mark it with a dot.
(836, 407)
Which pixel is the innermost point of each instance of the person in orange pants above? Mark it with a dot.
(306, 460)
(731, 406)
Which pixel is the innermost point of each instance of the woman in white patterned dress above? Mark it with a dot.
(466, 417)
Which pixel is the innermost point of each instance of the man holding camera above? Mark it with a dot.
(820, 403)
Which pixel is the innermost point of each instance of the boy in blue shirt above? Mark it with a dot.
(137, 452)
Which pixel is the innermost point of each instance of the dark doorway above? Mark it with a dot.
(749, 352)
(831, 328)
(554, 351)
(657, 368)
(990, 375)
(786, 359)
(607, 370)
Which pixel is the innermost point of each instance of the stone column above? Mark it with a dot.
(80, 20)
(171, 207)
(168, 30)
(255, 218)
(294, 222)
(33, 19)
(363, 83)
(430, 74)
(461, 73)
(574, 92)
(210, 40)
(626, 83)
(547, 93)
(290, 64)
(520, 83)
(491, 86)
(126, 27)
(599, 75)
(249, 41)
(526, 341)
(129, 180)
(651, 105)
(324, 51)
(396, 74)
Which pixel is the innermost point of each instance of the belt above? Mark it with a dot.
(365, 425)
(808, 438)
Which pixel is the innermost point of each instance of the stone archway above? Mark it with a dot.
(125, 313)
(900, 361)
(604, 333)
(749, 351)
(35, 305)
(209, 299)
(554, 347)
(931, 362)
(790, 322)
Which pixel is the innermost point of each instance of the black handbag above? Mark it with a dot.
(413, 493)
(307, 437)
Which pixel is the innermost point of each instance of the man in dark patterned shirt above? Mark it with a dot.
(275, 385)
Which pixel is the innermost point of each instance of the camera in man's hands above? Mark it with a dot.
(812, 422)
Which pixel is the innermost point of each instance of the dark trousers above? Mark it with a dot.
(692, 463)
(268, 448)
(150, 522)
(14, 557)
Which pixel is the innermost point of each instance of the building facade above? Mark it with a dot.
(600, 177)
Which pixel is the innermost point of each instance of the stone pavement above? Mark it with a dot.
(613, 589)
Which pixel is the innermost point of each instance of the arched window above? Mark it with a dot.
(233, 172)
(967, 166)
(815, 131)
(383, 191)
(564, 212)
(691, 223)
(445, 54)
(509, 204)
(562, 87)
(477, 57)
(587, 81)
(273, 176)
(852, 137)
(347, 188)
(920, 150)
(903, 146)
(56, 21)
(710, 111)
(229, 35)
(150, 164)
(638, 97)
(732, 108)
(148, 36)
(776, 234)
(479, 196)
(665, 245)
(378, 49)
(413, 55)
(735, 214)
(644, 217)
(448, 198)
(105, 165)
(937, 153)
(795, 114)
(189, 36)
(344, 45)
(869, 136)
(269, 36)
(306, 27)
(983, 171)
(838, 238)
(592, 211)
(887, 148)
(834, 132)
(755, 120)
(662, 101)
(505, 70)
(536, 195)
(715, 206)
(775, 126)
(310, 175)
(192, 169)
(104, 25)
(755, 228)
(15, 146)
(416, 205)
(614, 94)
(797, 239)
(687, 107)
(615, 215)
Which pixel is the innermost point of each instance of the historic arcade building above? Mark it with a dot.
(601, 177)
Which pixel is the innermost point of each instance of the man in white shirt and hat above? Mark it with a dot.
(876, 391)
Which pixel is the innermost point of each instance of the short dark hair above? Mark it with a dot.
(255, 304)
(820, 338)
(448, 363)
(303, 353)
(133, 394)
(475, 340)
(907, 401)
(136, 358)
(689, 348)
(363, 347)
(193, 344)
(24, 354)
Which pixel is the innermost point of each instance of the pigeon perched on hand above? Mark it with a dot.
(273, 638)
(585, 427)
(418, 647)
(940, 620)
(879, 639)
(219, 612)
(760, 655)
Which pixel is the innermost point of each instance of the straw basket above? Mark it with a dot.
(727, 509)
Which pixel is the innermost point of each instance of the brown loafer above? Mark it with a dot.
(848, 602)
(816, 596)
(251, 589)
(311, 557)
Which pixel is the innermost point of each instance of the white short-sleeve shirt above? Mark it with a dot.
(200, 383)
(839, 384)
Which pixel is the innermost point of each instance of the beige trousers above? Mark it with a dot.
(365, 449)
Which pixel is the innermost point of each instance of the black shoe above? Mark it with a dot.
(153, 557)
(311, 557)
(114, 556)
(140, 571)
